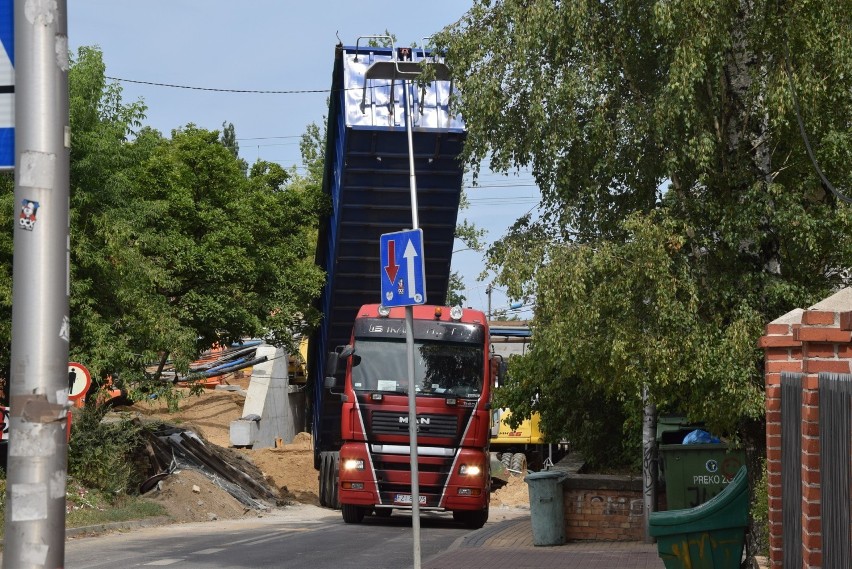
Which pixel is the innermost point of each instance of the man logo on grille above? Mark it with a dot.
(420, 420)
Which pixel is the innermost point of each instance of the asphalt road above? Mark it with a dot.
(301, 537)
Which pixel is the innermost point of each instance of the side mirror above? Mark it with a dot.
(498, 370)
(333, 359)
(330, 382)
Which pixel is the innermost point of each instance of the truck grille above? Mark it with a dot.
(395, 423)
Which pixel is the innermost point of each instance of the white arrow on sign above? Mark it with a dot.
(410, 254)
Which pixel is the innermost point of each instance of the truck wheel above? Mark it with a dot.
(471, 519)
(519, 462)
(352, 514)
(506, 459)
(328, 497)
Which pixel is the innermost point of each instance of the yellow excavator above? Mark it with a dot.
(524, 447)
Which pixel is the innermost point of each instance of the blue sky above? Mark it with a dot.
(275, 45)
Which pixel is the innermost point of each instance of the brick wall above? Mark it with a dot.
(603, 508)
(810, 341)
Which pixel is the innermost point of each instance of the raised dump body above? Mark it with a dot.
(367, 179)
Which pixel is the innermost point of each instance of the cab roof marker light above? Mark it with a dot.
(384, 311)
(456, 313)
(438, 312)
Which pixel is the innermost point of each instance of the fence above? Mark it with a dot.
(835, 438)
(791, 468)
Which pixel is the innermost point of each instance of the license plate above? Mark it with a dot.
(406, 499)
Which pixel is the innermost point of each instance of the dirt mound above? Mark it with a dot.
(515, 493)
(190, 496)
(290, 469)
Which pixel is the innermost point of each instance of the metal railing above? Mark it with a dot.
(835, 443)
(791, 469)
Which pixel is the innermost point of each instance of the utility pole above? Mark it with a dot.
(38, 449)
(488, 290)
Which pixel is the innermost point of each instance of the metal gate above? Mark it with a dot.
(835, 443)
(791, 469)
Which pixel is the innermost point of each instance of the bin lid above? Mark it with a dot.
(544, 475)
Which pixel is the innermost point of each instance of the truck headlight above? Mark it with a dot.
(469, 470)
(353, 464)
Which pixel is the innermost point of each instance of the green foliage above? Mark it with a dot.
(91, 508)
(760, 514)
(7, 197)
(680, 210)
(454, 290)
(176, 244)
(100, 453)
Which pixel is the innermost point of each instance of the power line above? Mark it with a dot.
(219, 90)
(270, 137)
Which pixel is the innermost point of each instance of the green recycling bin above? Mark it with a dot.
(546, 507)
(695, 473)
(709, 536)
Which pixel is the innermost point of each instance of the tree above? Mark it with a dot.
(229, 141)
(681, 211)
(471, 236)
(175, 247)
(7, 197)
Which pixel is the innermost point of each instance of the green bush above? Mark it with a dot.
(100, 453)
(760, 514)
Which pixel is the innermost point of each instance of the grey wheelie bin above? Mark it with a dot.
(546, 507)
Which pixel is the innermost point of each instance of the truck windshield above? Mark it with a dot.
(440, 368)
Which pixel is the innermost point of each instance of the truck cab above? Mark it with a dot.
(452, 383)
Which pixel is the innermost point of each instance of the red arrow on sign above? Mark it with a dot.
(391, 268)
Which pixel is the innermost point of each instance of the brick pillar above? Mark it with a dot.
(810, 341)
(782, 353)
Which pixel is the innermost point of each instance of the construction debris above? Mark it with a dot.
(170, 448)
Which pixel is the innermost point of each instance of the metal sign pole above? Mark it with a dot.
(38, 449)
(405, 70)
(409, 342)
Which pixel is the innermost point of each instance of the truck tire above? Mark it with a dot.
(506, 459)
(328, 494)
(353, 514)
(471, 519)
(519, 463)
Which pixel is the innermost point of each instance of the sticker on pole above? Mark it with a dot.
(79, 381)
(402, 268)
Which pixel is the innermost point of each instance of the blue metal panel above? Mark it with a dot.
(367, 181)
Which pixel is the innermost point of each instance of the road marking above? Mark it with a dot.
(208, 551)
(270, 536)
(266, 539)
(164, 562)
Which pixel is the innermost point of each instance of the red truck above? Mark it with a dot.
(453, 379)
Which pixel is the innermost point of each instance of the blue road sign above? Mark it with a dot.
(403, 274)
(7, 85)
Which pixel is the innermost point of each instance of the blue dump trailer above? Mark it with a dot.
(367, 179)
